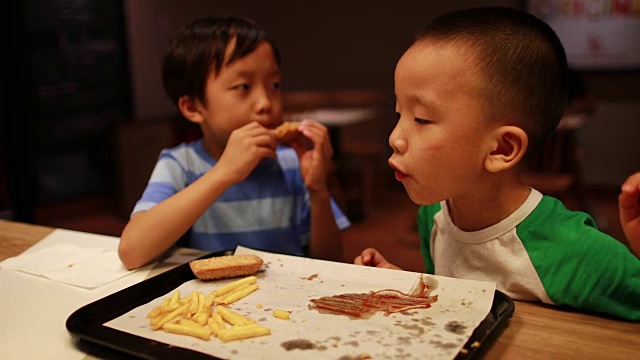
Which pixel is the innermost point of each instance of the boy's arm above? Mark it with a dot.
(628, 203)
(149, 234)
(315, 164)
(325, 240)
(597, 272)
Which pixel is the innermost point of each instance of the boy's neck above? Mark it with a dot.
(492, 203)
(210, 144)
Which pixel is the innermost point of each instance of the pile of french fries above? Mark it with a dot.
(203, 316)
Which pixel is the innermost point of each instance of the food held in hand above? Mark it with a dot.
(226, 266)
(287, 132)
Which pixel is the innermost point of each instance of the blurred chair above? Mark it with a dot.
(138, 146)
(358, 125)
(555, 169)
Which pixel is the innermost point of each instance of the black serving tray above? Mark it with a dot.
(86, 325)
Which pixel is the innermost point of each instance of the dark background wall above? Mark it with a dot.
(338, 44)
(66, 91)
(88, 73)
(329, 44)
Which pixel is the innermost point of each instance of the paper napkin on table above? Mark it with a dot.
(85, 267)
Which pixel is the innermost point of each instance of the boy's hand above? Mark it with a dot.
(245, 148)
(371, 257)
(629, 207)
(315, 163)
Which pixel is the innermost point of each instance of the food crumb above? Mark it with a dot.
(455, 327)
(363, 356)
(475, 344)
(301, 344)
(281, 314)
(259, 306)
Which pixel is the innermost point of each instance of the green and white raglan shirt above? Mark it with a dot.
(540, 252)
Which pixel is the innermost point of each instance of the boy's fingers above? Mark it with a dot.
(628, 200)
(628, 206)
(632, 183)
(376, 258)
(365, 258)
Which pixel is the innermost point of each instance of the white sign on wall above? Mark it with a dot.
(596, 34)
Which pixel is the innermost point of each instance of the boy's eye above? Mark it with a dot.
(421, 121)
(276, 85)
(242, 87)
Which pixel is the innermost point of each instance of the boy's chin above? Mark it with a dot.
(419, 198)
(413, 196)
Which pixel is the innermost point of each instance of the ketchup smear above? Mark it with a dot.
(364, 305)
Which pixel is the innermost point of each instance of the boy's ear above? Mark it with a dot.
(190, 109)
(508, 145)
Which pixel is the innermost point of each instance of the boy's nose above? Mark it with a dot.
(264, 102)
(396, 140)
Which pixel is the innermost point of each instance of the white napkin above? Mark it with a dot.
(87, 267)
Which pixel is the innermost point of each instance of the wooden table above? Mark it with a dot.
(535, 331)
(17, 237)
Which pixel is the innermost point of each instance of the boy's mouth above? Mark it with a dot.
(400, 176)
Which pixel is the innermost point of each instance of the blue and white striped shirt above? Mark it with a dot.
(268, 211)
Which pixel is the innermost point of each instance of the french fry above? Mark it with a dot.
(202, 306)
(243, 332)
(165, 306)
(208, 300)
(232, 286)
(186, 299)
(193, 315)
(220, 298)
(195, 303)
(195, 331)
(233, 317)
(174, 301)
(157, 311)
(237, 294)
(201, 318)
(155, 320)
(215, 323)
(281, 314)
(170, 316)
(188, 322)
(203, 312)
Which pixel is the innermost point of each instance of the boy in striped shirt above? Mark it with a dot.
(236, 185)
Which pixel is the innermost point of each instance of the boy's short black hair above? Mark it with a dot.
(200, 47)
(523, 61)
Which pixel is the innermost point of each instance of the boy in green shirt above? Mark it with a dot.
(477, 90)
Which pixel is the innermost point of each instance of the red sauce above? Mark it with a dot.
(363, 305)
